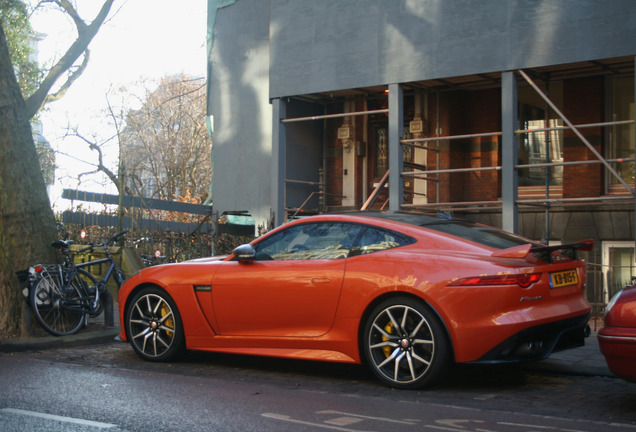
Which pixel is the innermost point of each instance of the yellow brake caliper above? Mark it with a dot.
(169, 322)
(389, 330)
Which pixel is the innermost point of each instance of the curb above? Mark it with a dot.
(48, 342)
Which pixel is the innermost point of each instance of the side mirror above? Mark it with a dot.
(244, 252)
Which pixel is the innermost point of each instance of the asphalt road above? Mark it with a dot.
(108, 387)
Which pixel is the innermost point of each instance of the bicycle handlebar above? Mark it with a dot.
(113, 239)
(91, 245)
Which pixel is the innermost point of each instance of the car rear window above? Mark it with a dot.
(481, 234)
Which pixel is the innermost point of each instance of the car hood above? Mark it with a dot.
(206, 259)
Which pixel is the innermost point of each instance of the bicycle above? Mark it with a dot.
(64, 296)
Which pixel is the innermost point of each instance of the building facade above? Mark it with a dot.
(519, 114)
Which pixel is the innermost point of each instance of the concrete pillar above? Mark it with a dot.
(509, 150)
(396, 156)
(279, 160)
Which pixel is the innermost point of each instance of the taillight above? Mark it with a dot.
(38, 269)
(524, 280)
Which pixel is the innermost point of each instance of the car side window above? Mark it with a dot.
(374, 239)
(310, 241)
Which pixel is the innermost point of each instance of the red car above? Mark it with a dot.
(617, 339)
(406, 294)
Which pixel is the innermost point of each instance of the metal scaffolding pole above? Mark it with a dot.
(518, 131)
(329, 116)
(568, 163)
(450, 170)
(579, 126)
(451, 137)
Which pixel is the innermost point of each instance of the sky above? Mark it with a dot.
(142, 41)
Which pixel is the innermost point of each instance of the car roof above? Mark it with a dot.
(418, 219)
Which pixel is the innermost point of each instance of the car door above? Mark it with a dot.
(291, 289)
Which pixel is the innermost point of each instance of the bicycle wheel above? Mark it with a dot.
(56, 306)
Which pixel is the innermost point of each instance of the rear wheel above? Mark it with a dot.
(57, 307)
(405, 344)
(153, 325)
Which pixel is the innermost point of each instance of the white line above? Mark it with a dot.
(59, 418)
(385, 419)
(320, 425)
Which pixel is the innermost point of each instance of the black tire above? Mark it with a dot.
(58, 308)
(405, 344)
(153, 325)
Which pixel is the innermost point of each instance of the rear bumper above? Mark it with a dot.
(618, 345)
(537, 343)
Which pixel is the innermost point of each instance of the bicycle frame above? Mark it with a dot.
(112, 269)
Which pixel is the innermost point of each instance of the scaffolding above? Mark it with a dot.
(545, 202)
(434, 174)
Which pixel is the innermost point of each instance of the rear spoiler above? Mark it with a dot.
(545, 253)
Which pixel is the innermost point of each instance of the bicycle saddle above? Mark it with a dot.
(62, 244)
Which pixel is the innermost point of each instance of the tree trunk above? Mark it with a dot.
(27, 224)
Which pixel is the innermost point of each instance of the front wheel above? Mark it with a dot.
(405, 344)
(153, 325)
(57, 306)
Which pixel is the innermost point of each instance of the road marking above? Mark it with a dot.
(385, 419)
(341, 422)
(320, 425)
(344, 421)
(539, 427)
(59, 418)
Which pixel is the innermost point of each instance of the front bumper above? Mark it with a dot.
(537, 343)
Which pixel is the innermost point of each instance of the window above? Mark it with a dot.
(543, 146)
(382, 152)
(621, 137)
(619, 265)
(327, 240)
(310, 241)
(482, 234)
(374, 239)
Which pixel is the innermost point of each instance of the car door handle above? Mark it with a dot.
(320, 280)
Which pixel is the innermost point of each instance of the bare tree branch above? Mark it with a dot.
(86, 33)
(71, 79)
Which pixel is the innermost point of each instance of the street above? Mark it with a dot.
(108, 387)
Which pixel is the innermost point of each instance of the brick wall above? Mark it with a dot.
(583, 103)
(467, 113)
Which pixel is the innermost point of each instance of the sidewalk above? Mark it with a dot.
(582, 361)
(94, 333)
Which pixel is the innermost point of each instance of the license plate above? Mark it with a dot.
(563, 278)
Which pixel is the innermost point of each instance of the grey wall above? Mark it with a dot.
(335, 44)
(238, 100)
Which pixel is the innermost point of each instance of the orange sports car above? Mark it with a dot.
(407, 294)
